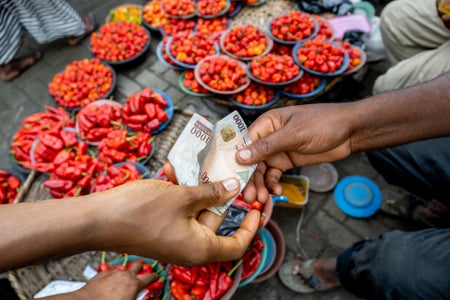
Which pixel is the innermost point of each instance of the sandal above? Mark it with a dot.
(16, 67)
(89, 22)
(300, 277)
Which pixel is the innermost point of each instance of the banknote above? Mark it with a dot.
(205, 152)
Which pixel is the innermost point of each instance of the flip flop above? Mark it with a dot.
(89, 22)
(13, 69)
(300, 277)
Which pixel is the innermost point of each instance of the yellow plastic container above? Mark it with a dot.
(295, 191)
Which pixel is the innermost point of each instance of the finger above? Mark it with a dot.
(212, 194)
(262, 193)
(169, 171)
(261, 149)
(212, 220)
(135, 267)
(234, 247)
(146, 279)
(272, 179)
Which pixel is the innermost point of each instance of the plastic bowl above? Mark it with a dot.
(363, 58)
(340, 71)
(99, 103)
(159, 54)
(134, 58)
(217, 52)
(271, 250)
(159, 268)
(266, 51)
(280, 243)
(106, 96)
(221, 13)
(261, 263)
(259, 3)
(198, 77)
(236, 10)
(257, 107)
(319, 88)
(273, 84)
(188, 91)
(140, 7)
(313, 34)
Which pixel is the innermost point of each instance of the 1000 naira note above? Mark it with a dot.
(205, 152)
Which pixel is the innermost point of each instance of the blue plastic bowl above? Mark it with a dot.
(319, 88)
(257, 107)
(271, 250)
(340, 71)
(217, 52)
(159, 54)
(313, 34)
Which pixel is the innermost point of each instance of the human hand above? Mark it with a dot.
(116, 284)
(443, 7)
(295, 136)
(157, 219)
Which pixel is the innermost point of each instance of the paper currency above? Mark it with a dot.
(205, 152)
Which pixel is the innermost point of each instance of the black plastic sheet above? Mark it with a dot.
(338, 7)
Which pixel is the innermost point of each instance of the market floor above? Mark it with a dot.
(325, 230)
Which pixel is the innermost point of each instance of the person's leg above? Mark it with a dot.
(47, 21)
(410, 27)
(398, 265)
(420, 68)
(422, 168)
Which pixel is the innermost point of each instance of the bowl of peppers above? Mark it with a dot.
(10, 184)
(215, 280)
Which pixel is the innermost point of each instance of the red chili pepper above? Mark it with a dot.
(103, 266)
(179, 290)
(159, 99)
(58, 185)
(13, 182)
(155, 288)
(213, 284)
(203, 276)
(250, 263)
(152, 125)
(136, 103)
(69, 138)
(2, 194)
(150, 110)
(83, 122)
(146, 94)
(61, 157)
(84, 183)
(183, 274)
(198, 292)
(138, 119)
(161, 114)
(135, 127)
(144, 149)
(82, 148)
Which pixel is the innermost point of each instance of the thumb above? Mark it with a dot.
(261, 149)
(213, 193)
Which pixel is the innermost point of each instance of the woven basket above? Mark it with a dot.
(30, 280)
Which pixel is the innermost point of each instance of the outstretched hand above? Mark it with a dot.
(295, 136)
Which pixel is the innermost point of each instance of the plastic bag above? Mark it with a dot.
(338, 7)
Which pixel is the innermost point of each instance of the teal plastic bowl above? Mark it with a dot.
(261, 263)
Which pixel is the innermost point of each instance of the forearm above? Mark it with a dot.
(398, 117)
(45, 229)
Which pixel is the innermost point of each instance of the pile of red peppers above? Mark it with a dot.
(208, 282)
(144, 111)
(9, 187)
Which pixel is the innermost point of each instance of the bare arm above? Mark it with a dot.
(150, 218)
(309, 134)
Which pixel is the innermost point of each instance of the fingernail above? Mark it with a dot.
(245, 154)
(231, 184)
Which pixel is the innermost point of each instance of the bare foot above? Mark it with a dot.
(325, 269)
(18, 66)
(89, 22)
